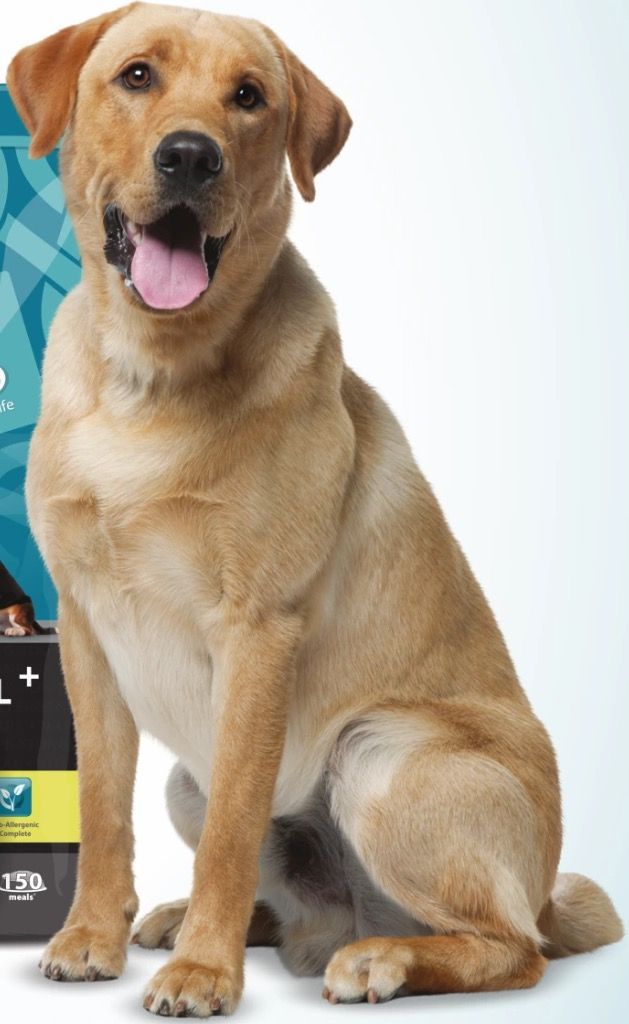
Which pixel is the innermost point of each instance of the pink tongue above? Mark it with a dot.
(165, 277)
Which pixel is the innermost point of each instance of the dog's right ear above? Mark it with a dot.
(42, 78)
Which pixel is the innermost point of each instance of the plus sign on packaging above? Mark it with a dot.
(39, 817)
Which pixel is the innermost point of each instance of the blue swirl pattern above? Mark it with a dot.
(39, 264)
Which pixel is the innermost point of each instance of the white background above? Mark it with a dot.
(474, 236)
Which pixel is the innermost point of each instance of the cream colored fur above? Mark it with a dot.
(251, 567)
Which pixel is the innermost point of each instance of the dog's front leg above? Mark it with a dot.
(93, 941)
(254, 672)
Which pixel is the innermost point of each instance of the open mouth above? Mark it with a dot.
(168, 263)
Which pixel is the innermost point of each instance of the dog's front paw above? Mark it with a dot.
(185, 988)
(80, 953)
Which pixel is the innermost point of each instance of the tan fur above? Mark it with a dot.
(220, 498)
(377, 969)
(578, 917)
(159, 929)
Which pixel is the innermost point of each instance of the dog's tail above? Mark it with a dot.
(578, 917)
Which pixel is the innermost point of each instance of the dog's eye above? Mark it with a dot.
(136, 76)
(248, 97)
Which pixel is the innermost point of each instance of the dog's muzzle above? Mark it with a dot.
(171, 261)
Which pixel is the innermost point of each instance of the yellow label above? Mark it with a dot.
(49, 814)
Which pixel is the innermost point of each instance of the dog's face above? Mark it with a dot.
(179, 124)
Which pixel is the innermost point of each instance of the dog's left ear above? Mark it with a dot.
(42, 78)
(318, 122)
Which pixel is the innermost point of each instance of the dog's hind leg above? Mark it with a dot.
(159, 928)
(186, 807)
(451, 835)
(379, 968)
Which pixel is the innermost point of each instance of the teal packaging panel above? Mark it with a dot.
(39, 264)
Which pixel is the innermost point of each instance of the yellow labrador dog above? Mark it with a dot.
(251, 566)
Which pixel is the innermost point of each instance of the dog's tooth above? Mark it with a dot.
(134, 231)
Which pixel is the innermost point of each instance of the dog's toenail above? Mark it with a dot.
(135, 939)
(180, 1008)
(91, 973)
(215, 1005)
(147, 1001)
(372, 996)
(55, 974)
(333, 999)
(164, 1008)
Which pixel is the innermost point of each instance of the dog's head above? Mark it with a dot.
(177, 124)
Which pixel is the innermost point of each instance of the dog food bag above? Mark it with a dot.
(39, 811)
(39, 816)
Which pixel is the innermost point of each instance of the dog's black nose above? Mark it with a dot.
(188, 159)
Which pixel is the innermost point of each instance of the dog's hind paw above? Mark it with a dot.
(159, 929)
(371, 969)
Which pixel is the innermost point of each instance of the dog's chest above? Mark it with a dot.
(142, 555)
(133, 512)
(146, 593)
(164, 671)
